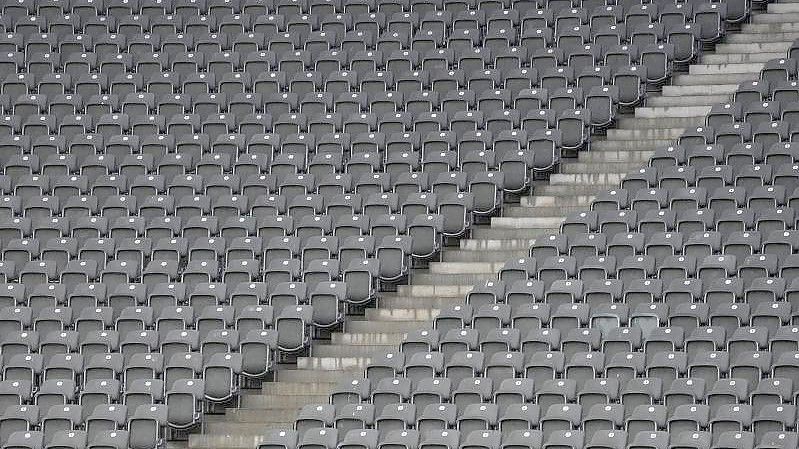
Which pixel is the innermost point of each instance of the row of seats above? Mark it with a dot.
(260, 7)
(190, 113)
(398, 52)
(518, 417)
(725, 218)
(659, 245)
(669, 267)
(172, 19)
(369, 438)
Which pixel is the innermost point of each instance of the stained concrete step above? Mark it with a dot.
(259, 415)
(629, 145)
(727, 58)
(393, 315)
(688, 100)
(768, 28)
(433, 302)
(252, 430)
(683, 111)
(440, 289)
(646, 123)
(568, 179)
(383, 326)
(458, 255)
(573, 190)
(382, 339)
(781, 8)
(525, 222)
(273, 402)
(761, 37)
(462, 267)
(720, 78)
(335, 363)
(224, 441)
(251, 416)
(712, 89)
(369, 338)
(788, 17)
(607, 156)
(582, 167)
(512, 234)
(351, 350)
(644, 134)
(298, 388)
(310, 375)
(497, 244)
(538, 200)
(754, 47)
(541, 211)
(713, 69)
(462, 279)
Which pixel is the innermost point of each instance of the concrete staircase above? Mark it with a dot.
(625, 148)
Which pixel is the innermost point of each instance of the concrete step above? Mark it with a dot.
(461, 279)
(498, 223)
(638, 155)
(351, 350)
(384, 326)
(713, 69)
(368, 338)
(512, 234)
(788, 17)
(712, 89)
(781, 8)
(440, 289)
(688, 100)
(335, 363)
(719, 78)
(433, 302)
(631, 145)
(647, 123)
(497, 244)
(252, 430)
(462, 267)
(727, 58)
(260, 415)
(504, 235)
(385, 314)
(574, 190)
(309, 375)
(288, 402)
(682, 111)
(298, 388)
(769, 28)
(582, 167)
(224, 441)
(585, 178)
(538, 200)
(541, 211)
(754, 47)
(761, 37)
(459, 255)
(644, 134)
